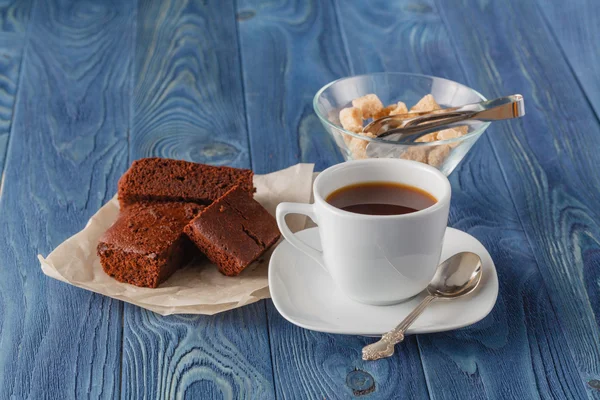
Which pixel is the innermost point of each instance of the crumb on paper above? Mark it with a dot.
(369, 105)
(351, 119)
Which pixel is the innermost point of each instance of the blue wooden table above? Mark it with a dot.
(88, 86)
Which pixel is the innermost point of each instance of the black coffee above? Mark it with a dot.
(381, 198)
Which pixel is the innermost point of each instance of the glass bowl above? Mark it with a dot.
(392, 87)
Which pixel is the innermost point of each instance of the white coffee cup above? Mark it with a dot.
(376, 259)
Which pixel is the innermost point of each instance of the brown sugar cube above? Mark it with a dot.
(358, 147)
(369, 105)
(147, 244)
(393, 109)
(400, 109)
(446, 134)
(451, 134)
(233, 231)
(385, 112)
(430, 137)
(427, 103)
(351, 119)
(463, 129)
(438, 155)
(416, 154)
(347, 138)
(163, 179)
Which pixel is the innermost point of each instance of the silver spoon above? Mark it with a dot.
(406, 128)
(455, 277)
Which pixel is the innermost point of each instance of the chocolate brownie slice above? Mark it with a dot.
(147, 244)
(163, 179)
(233, 231)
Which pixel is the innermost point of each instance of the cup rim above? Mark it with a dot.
(440, 203)
(326, 121)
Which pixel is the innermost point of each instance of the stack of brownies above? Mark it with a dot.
(172, 209)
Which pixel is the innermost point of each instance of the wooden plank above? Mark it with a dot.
(11, 49)
(14, 15)
(289, 50)
(549, 158)
(189, 104)
(67, 149)
(575, 26)
(514, 351)
(519, 350)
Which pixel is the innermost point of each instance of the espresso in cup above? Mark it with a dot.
(387, 248)
(381, 198)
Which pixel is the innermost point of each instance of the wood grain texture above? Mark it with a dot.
(512, 352)
(575, 26)
(289, 50)
(548, 158)
(188, 93)
(518, 350)
(11, 50)
(400, 36)
(67, 149)
(14, 15)
(315, 365)
(189, 104)
(196, 357)
(85, 91)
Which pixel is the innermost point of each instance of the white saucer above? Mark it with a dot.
(306, 296)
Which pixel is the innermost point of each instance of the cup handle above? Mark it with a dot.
(284, 209)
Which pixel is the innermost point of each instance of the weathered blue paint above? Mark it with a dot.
(88, 86)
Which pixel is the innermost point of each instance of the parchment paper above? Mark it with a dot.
(196, 289)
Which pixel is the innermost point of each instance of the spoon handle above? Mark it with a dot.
(385, 346)
(414, 314)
